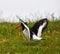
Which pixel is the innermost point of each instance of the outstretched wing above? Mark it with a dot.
(26, 27)
(39, 26)
(20, 20)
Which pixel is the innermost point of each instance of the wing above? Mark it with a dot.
(27, 29)
(20, 20)
(39, 27)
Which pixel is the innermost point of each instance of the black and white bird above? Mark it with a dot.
(35, 32)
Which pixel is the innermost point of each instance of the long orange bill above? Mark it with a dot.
(18, 26)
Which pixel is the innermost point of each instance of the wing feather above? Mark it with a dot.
(39, 26)
(27, 29)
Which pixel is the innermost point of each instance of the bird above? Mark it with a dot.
(35, 32)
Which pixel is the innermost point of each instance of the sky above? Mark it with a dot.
(25, 8)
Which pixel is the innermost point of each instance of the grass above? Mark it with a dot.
(12, 41)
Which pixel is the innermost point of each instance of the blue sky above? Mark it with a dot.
(24, 8)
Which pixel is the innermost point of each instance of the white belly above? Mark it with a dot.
(25, 32)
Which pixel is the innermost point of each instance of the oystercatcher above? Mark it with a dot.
(35, 32)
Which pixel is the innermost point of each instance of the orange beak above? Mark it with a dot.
(19, 26)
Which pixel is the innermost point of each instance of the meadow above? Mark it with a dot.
(13, 41)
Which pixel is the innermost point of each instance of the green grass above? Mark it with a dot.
(12, 41)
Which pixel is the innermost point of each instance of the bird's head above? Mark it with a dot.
(21, 26)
